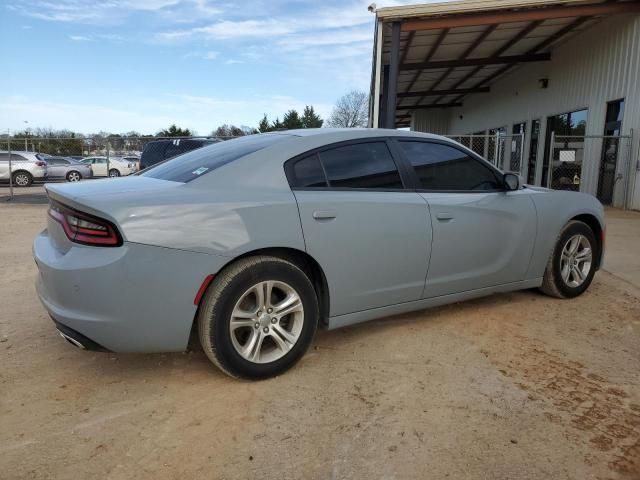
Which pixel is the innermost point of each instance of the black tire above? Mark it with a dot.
(226, 290)
(114, 172)
(22, 179)
(553, 284)
(74, 176)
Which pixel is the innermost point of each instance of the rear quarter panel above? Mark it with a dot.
(554, 210)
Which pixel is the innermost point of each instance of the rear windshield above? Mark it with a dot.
(194, 164)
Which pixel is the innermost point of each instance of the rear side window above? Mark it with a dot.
(307, 173)
(153, 153)
(196, 163)
(361, 165)
(441, 167)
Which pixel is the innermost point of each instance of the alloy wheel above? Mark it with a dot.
(576, 259)
(266, 321)
(22, 180)
(73, 177)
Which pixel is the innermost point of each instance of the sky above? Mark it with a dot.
(141, 65)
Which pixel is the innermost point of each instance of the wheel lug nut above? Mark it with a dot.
(274, 320)
(257, 325)
(269, 310)
(259, 312)
(265, 329)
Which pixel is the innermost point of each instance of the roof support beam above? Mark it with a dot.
(545, 43)
(428, 107)
(471, 62)
(494, 18)
(430, 53)
(394, 65)
(450, 91)
(515, 39)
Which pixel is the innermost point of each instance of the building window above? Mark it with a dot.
(517, 146)
(533, 151)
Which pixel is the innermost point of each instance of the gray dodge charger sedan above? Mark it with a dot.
(257, 242)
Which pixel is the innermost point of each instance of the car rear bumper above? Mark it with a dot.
(133, 298)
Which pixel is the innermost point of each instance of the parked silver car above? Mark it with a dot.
(67, 168)
(25, 168)
(258, 241)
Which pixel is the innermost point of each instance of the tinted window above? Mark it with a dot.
(196, 163)
(440, 167)
(100, 160)
(153, 153)
(173, 149)
(307, 172)
(363, 165)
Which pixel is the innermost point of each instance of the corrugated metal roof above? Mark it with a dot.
(467, 6)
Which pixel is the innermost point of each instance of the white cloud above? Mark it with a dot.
(80, 38)
(211, 55)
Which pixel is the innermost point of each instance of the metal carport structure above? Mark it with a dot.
(432, 56)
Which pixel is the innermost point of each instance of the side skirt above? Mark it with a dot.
(363, 316)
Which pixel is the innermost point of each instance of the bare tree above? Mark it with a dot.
(351, 111)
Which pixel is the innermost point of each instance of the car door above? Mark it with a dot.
(4, 165)
(483, 235)
(100, 167)
(55, 168)
(370, 235)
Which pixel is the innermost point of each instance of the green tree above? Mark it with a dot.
(291, 120)
(310, 119)
(174, 131)
(277, 124)
(264, 125)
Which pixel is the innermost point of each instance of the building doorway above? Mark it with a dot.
(610, 149)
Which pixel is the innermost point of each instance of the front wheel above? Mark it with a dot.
(258, 317)
(572, 264)
(114, 173)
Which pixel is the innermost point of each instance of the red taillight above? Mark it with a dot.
(40, 163)
(84, 228)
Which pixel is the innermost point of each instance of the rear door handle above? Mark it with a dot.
(324, 215)
(444, 216)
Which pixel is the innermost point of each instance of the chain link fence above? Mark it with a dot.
(504, 151)
(106, 148)
(593, 163)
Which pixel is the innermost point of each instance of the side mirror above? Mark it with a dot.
(511, 181)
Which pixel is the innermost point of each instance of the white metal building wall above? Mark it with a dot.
(597, 66)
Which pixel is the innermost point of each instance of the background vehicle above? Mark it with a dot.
(25, 167)
(262, 239)
(117, 167)
(159, 150)
(76, 157)
(67, 168)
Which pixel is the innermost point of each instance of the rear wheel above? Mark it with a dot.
(74, 176)
(258, 317)
(114, 173)
(22, 179)
(572, 265)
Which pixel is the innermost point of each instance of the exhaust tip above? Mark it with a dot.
(72, 341)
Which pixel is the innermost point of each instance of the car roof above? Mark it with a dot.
(29, 155)
(352, 132)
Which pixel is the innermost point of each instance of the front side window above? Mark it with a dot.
(445, 168)
(361, 165)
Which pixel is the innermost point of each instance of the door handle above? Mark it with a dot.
(324, 215)
(444, 216)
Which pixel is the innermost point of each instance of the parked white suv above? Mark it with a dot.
(25, 168)
(117, 166)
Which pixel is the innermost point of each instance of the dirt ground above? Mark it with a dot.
(514, 386)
